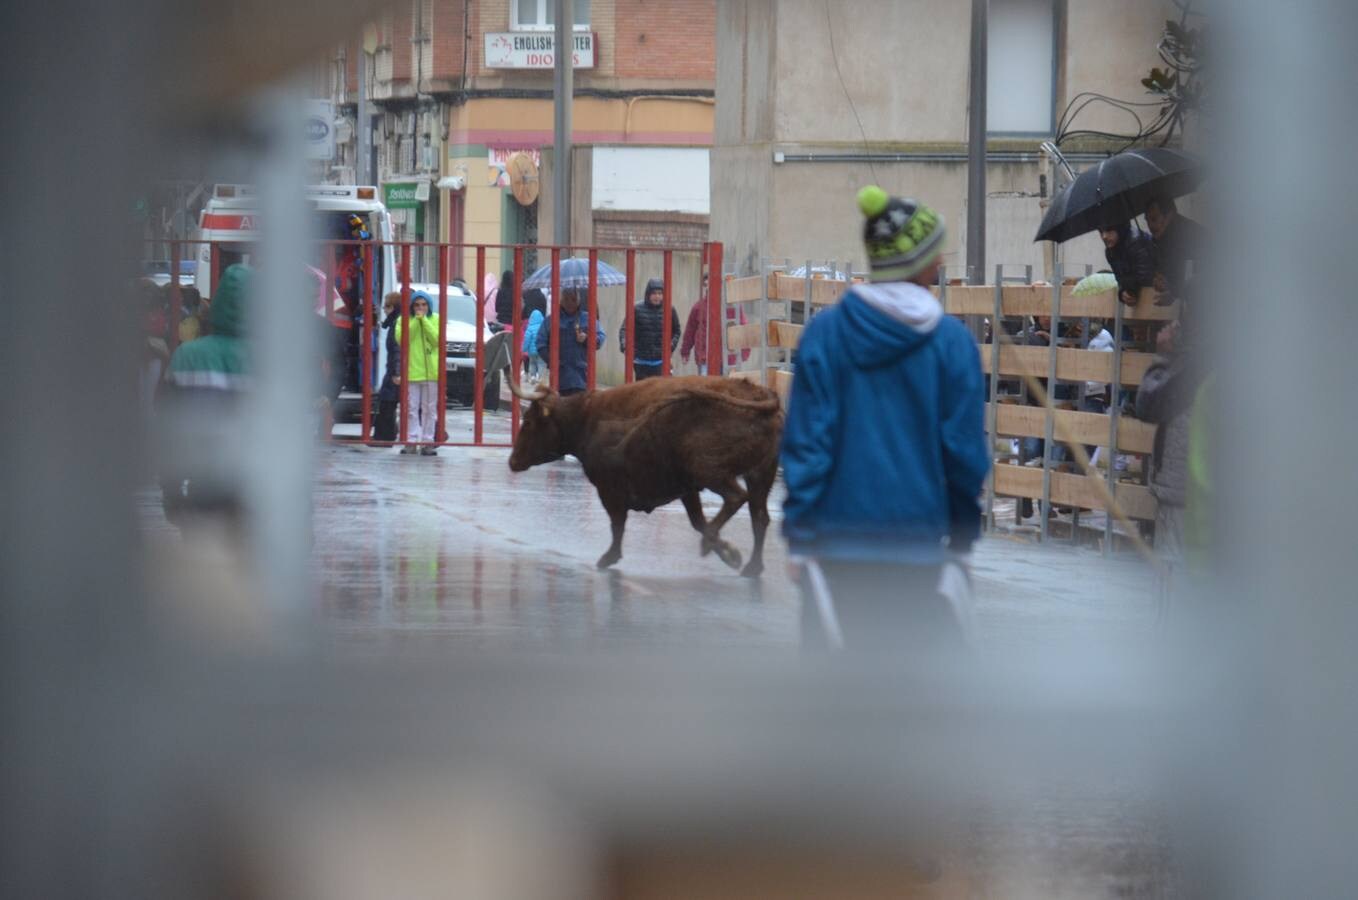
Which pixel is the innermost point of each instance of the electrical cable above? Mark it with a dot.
(830, 29)
(1172, 106)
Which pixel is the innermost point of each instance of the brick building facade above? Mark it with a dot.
(445, 115)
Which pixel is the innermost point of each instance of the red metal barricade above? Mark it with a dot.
(479, 375)
(386, 267)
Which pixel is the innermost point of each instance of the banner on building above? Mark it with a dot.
(534, 50)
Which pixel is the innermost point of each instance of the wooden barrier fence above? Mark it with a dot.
(778, 305)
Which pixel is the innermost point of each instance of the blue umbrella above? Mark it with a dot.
(575, 274)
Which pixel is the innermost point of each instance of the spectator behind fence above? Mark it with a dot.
(422, 376)
(649, 325)
(1166, 399)
(504, 301)
(199, 403)
(1179, 243)
(489, 293)
(534, 314)
(1097, 393)
(1132, 259)
(389, 396)
(695, 334)
(569, 323)
(884, 450)
(190, 309)
(155, 346)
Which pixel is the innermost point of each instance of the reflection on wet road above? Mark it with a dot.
(458, 548)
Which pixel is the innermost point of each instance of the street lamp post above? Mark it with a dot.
(564, 90)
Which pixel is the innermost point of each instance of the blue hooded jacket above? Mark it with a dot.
(884, 451)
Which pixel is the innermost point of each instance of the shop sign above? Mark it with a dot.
(535, 50)
(319, 130)
(405, 194)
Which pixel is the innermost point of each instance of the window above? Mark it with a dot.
(1021, 67)
(540, 15)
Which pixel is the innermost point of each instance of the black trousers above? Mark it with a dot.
(384, 425)
(880, 607)
(643, 372)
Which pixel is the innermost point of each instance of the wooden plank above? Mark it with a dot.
(1145, 309)
(744, 290)
(824, 291)
(1134, 436)
(1072, 490)
(781, 382)
(1071, 364)
(966, 299)
(744, 337)
(1036, 300)
(784, 334)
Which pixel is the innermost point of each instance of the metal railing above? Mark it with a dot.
(384, 266)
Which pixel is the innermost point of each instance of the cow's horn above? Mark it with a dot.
(519, 392)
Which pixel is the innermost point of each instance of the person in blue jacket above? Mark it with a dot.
(570, 323)
(884, 451)
(534, 313)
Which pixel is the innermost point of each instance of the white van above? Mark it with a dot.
(229, 224)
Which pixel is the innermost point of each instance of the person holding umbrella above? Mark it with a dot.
(1132, 259)
(568, 324)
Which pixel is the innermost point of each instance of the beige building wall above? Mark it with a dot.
(905, 64)
(1110, 47)
(903, 61)
(686, 268)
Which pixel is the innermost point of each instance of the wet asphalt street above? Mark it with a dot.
(455, 552)
(457, 549)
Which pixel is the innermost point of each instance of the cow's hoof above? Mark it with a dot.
(608, 559)
(729, 555)
(753, 570)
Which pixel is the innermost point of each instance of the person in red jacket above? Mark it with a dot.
(695, 334)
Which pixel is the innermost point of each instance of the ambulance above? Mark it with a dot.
(229, 230)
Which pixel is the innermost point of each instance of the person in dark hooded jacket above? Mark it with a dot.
(389, 396)
(1132, 259)
(649, 322)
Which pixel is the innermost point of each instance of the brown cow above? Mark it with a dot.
(663, 439)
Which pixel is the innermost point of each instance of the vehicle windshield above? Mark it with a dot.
(461, 309)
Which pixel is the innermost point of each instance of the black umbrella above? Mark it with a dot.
(1118, 190)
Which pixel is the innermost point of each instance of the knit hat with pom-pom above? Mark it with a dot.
(902, 236)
